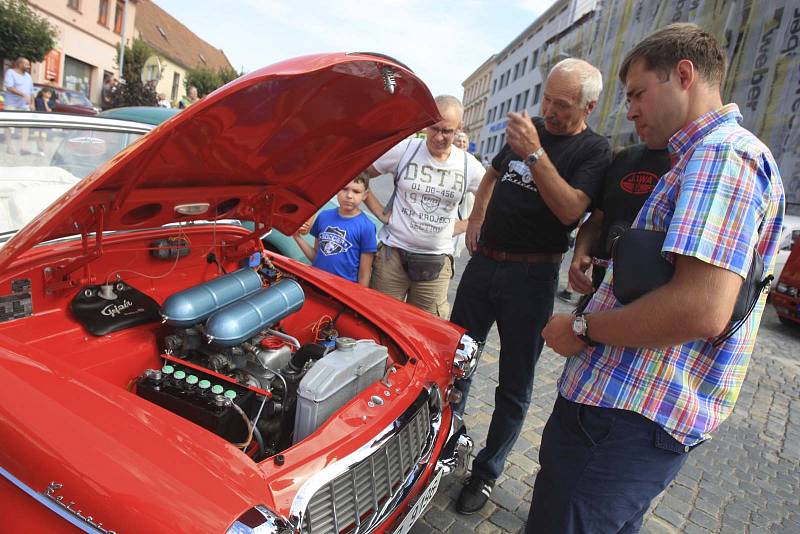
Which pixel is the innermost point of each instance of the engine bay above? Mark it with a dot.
(230, 366)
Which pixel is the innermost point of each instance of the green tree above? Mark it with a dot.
(134, 92)
(207, 80)
(23, 33)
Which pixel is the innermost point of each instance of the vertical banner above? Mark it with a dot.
(762, 42)
(52, 66)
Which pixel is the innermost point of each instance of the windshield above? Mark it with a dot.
(39, 164)
(75, 99)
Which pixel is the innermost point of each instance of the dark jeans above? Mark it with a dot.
(600, 468)
(519, 296)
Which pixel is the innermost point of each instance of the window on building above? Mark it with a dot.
(102, 13)
(508, 76)
(516, 102)
(74, 4)
(494, 86)
(502, 108)
(502, 140)
(516, 71)
(525, 98)
(536, 91)
(524, 64)
(176, 84)
(534, 59)
(119, 14)
(508, 105)
(482, 143)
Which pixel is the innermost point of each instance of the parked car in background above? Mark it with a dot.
(69, 101)
(63, 149)
(162, 372)
(790, 234)
(785, 294)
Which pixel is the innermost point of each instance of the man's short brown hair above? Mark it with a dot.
(662, 50)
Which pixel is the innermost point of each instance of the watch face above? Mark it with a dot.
(579, 325)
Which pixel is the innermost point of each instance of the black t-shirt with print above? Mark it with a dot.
(517, 218)
(628, 183)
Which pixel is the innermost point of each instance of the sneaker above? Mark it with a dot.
(565, 295)
(474, 495)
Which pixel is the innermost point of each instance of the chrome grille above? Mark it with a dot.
(356, 496)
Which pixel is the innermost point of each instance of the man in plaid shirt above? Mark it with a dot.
(644, 383)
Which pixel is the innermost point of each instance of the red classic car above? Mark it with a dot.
(160, 371)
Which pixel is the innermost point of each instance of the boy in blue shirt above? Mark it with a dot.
(345, 239)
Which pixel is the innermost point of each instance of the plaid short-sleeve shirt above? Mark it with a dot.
(722, 200)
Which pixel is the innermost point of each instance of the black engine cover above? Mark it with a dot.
(101, 316)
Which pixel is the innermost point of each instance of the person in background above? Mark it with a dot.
(432, 176)
(19, 95)
(110, 87)
(628, 183)
(44, 100)
(163, 101)
(345, 242)
(44, 103)
(535, 192)
(189, 98)
(646, 383)
(461, 141)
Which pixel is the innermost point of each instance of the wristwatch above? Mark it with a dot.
(534, 156)
(581, 328)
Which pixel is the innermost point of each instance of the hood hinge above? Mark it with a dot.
(57, 277)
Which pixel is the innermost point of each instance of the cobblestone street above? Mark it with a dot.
(744, 480)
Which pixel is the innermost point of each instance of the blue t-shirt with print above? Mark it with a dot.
(341, 241)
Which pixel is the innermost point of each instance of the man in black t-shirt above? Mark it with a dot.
(630, 179)
(537, 188)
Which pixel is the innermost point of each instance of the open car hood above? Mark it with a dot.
(271, 147)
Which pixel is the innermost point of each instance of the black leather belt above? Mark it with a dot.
(529, 257)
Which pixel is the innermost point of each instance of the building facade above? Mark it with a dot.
(179, 48)
(88, 36)
(521, 67)
(762, 42)
(475, 100)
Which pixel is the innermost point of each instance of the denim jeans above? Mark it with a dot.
(600, 468)
(519, 296)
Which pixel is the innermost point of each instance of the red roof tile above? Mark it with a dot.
(172, 39)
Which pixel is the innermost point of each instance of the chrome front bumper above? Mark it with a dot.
(359, 492)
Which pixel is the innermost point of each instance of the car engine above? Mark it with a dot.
(229, 367)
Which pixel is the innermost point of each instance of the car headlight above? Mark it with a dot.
(260, 520)
(781, 288)
(466, 357)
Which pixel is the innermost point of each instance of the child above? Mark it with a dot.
(44, 103)
(345, 241)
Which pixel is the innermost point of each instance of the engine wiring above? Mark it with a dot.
(182, 235)
(244, 444)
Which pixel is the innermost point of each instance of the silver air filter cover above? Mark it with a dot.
(193, 305)
(244, 318)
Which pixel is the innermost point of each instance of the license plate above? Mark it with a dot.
(419, 507)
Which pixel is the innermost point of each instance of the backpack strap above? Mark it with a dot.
(401, 167)
(463, 190)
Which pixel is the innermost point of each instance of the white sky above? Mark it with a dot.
(442, 41)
